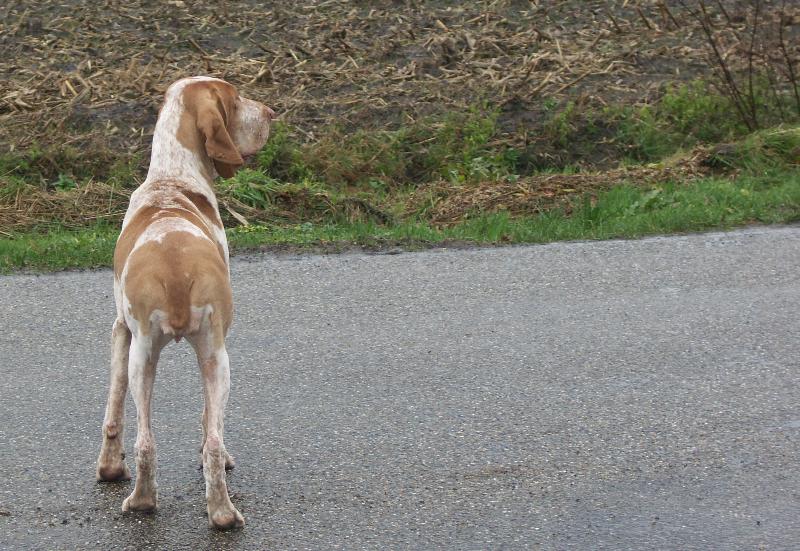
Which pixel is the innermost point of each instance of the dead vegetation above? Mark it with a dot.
(74, 69)
(29, 207)
(441, 202)
(446, 204)
(88, 76)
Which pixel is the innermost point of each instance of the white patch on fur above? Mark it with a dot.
(157, 230)
(222, 239)
(127, 313)
(169, 159)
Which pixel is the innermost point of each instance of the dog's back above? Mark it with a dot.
(173, 263)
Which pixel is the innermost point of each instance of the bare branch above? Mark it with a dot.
(732, 89)
(792, 75)
(750, 71)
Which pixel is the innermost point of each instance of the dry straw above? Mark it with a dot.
(80, 68)
(76, 73)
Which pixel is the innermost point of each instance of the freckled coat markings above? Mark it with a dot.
(204, 124)
(160, 200)
(172, 279)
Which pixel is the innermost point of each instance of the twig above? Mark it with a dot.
(752, 95)
(724, 11)
(727, 77)
(613, 20)
(577, 80)
(199, 48)
(787, 59)
(664, 9)
(644, 18)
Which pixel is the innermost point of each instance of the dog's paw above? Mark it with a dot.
(225, 518)
(136, 502)
(112, 472)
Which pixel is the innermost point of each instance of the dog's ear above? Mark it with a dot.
(212, 122)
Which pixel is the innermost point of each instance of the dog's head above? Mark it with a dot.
(218, 121)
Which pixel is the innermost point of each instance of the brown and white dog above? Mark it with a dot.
(172, 280)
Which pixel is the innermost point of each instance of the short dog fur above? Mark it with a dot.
(172, 280)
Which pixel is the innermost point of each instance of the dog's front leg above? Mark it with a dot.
(111, 463)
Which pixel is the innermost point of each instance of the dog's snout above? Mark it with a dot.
(268, 113)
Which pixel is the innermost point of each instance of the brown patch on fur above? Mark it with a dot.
(181, 271)
(139, 223)
(127, 239)
(208, 108)
(204, 206)
(196, 208)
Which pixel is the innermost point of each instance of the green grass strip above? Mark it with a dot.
(624, 211)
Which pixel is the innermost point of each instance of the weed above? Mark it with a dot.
(459, 148)
(624, 211)
(283, 157)
(64, 167)
(761, 152)
(270, 198)
(455, 147)
(684, 116)
(64, 183)
(757, 92)
(344, 159)
(560, 127)
(251, 187)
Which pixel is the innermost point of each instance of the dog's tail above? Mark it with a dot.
(179, 308)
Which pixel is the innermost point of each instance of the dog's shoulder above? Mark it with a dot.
(164, 205)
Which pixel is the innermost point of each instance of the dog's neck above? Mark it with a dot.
(173, 160)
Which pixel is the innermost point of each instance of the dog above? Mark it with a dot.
(172, 280)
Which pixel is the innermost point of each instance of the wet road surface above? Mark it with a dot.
(616, 395)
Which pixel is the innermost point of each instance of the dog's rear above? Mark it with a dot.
(176, 279)
(172, 279)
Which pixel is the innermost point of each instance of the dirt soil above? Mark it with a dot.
(91, 74)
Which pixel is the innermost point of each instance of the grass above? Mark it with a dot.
(455, 147)
(357, 188)
(684, 116)
(59, 249)
(626, 211)
(65, 166)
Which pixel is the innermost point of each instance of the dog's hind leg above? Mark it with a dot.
(230, 463)
(216, 374)
(111, 462)
(141, 375)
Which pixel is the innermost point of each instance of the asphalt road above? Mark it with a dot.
(616, 395)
